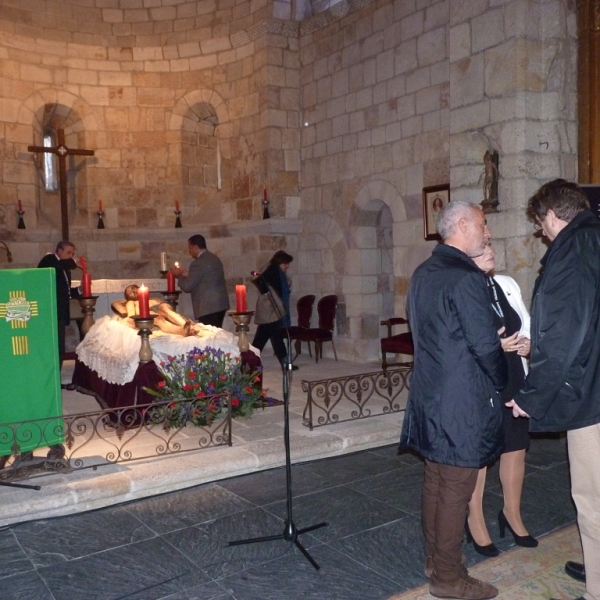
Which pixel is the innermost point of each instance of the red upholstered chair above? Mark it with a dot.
(326, 308)
(401, 343)
(299, 333)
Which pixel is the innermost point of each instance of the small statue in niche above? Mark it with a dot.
(490, 182)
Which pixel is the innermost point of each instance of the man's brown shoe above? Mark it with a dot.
(428, 566)
(464, 588)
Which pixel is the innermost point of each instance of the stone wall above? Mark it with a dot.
(343, 117)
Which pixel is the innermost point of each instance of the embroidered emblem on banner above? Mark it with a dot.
(18, 311)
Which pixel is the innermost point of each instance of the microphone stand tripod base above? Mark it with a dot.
(290, 531)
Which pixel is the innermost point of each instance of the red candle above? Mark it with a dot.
(240, 298)
(170, 282)
(265, 194)
(143, 301)
(177, 205)
(86, 285)
(99, 205)
(20, 205)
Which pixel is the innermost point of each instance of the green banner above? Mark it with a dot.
(29, 365)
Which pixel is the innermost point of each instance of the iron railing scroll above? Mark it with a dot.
(354, 397)
(117, 435)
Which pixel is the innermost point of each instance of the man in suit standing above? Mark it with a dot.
(62, 262)
(205, 280)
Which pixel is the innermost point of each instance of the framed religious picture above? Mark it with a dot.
(434, 199)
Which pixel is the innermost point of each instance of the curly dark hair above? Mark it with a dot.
(565, 198)
(281, 257)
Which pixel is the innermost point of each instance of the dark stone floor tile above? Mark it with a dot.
(352, 467)
(25, 586)
(292, 577)
(346, 512)
(209, 591)
(400, 488)
(550, 489)
(394, 550)
(57, 540)
(185, 508)
(13, 559)
(269, 486)
(547, 450)
(149, 570)
(206, 544)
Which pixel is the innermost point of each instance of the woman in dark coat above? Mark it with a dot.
(512, 319)
(274, 276)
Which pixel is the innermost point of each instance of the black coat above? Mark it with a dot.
(454, 414)
(64, 291)
(562, 390)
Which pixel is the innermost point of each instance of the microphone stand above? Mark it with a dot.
(290, 531)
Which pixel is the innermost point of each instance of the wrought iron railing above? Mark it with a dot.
(343, 399)
(118, 435)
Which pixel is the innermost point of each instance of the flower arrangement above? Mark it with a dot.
(193, 386)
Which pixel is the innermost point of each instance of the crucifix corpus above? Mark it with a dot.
(62, 152)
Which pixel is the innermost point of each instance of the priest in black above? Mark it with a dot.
(63, 263)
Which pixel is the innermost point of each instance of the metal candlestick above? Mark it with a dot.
(265, 206)
(21, 224)
(144, 324)
(87, 308)
(100, 214)
(242, 326)
(171, 299)
(177, 219)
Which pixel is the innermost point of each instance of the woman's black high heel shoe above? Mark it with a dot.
(489, 550)
(527, 541)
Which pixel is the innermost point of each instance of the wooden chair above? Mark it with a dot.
(326, 308)
(299, 332)
(401, 343)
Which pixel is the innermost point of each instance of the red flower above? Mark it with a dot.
(222, 377)
(201, 395)
(238, 358)
(257, 378)
(196, 357)
(248, 390)
(162, 363)
(192, 375)
(187, 387)
(235, 402)
(171, 359)
(161, 384)
(212, 406)
(196, 385)
(172, 405)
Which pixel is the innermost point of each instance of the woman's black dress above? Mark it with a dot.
(516, 430)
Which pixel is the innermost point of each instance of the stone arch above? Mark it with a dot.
(56, 109)
(200, 124)
(369, 282)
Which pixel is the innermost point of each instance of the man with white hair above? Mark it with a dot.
(454, 414)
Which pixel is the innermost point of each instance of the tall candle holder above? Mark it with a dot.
(163, 274)
(145, 324)
(87, 308)
(177, 219)
(265, 207)
(21, 223)
(242, 326)
(171, 299)
(100, 214)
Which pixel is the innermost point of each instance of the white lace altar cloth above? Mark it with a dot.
(112, 349)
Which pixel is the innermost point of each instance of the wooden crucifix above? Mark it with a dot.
(62, 152)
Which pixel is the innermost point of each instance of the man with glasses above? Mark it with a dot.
(562, 390)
